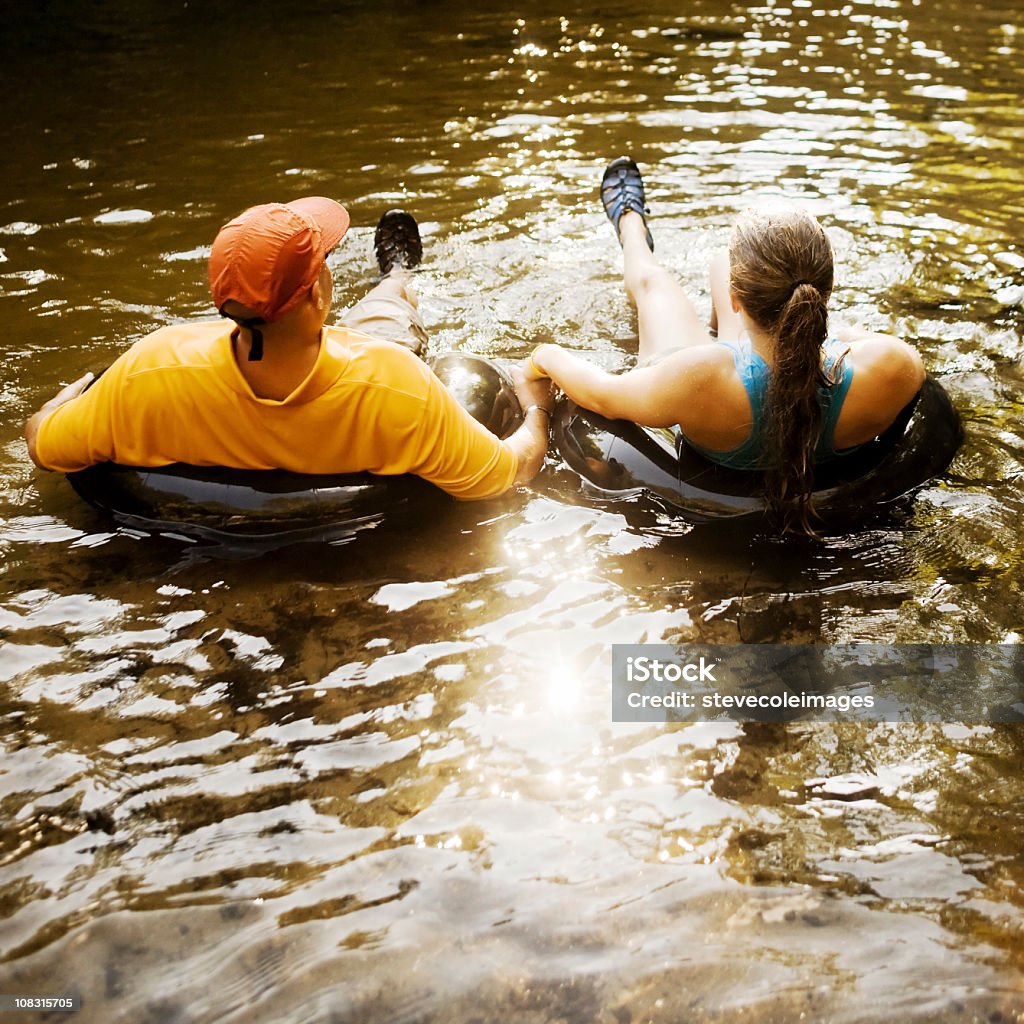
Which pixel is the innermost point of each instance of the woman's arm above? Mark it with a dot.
(652, 395)
(584, 383)
(726, 320)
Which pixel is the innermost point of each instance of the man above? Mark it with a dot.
(283, 391)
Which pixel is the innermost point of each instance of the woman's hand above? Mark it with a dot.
(533, 369)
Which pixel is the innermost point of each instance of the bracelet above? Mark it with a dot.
(540, 408)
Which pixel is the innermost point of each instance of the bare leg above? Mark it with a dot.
(667, 318)
(724, 318)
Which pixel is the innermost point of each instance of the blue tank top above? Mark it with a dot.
(755, 374)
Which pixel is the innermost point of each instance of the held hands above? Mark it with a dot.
(532, 390)
(534, 370)
(530, 441)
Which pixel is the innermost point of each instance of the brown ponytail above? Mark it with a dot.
(781, 271)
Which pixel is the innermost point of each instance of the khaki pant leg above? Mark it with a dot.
(388, 318)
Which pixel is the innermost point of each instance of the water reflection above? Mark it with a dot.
(379, 779)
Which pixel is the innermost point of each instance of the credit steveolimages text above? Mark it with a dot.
(646, 670)
(855, 682)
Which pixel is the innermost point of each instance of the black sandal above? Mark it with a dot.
(622, 189)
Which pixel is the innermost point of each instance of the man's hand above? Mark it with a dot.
(532, 390)
(530, 441)
(68, 392)
(65, 394)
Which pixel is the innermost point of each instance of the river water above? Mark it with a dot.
(378, 780)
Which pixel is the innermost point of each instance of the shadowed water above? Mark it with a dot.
(377, 779)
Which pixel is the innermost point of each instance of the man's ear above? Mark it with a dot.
(322, 291)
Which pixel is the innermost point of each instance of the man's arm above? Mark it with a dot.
(36, 419)
(529, 443)
(461, 456)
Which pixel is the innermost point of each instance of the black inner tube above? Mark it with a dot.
(614, 457)
(261, 503)
(617, 457)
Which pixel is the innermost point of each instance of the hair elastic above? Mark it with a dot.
(534, 368)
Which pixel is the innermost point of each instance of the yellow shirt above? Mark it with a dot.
(178, 396)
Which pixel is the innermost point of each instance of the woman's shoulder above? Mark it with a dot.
(882, 357)
(708, 360)
(887, 373)
(871, 346)
(713, 406)
(718, 378)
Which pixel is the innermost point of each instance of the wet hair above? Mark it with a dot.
(781, 271)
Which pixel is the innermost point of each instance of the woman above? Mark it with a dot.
(775, 392)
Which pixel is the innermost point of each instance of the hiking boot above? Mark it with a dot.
(396, 242)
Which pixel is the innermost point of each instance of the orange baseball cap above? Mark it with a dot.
(268, 257)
